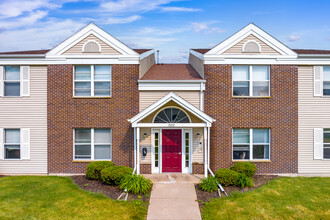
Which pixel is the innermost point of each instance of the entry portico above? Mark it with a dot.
(171, 135)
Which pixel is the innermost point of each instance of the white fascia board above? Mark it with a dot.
(59, 61)
(259, 33)
(146, 54)
(169, 125)
(84, 32)
(196, 54)
(23, 56)
(171, 86)
(171, 97)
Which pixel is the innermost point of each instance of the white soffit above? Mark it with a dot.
(99, 33)
(243, 33)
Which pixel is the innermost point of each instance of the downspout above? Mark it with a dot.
(205, 152)
(134, 169)
(200, 97)
(138, 150)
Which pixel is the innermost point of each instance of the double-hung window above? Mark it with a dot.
(326, 143)
(92, 144)
(251, 144)
(12, 81)
(326, 80)
(12, 143)
(251, 81)
(92, 80)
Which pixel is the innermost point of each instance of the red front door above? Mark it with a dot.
(171, 150)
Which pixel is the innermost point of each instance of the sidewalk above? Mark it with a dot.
(173, 197)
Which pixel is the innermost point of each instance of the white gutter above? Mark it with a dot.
(200, 97)
(22, 55)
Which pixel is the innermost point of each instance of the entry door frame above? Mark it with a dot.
(183, 150)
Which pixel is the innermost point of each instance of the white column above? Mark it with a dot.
(134, 150)
(138, 150)
(205, 152)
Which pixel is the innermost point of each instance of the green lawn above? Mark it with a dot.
(50, 197)
(283, 198)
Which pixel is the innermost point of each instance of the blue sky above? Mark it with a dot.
(172, 26)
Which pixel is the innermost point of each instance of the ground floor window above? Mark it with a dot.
(92, 144)
(326, 143)
(12, 144)
(251, 144)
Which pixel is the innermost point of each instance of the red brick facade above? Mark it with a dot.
(279, 113)
(66, 113)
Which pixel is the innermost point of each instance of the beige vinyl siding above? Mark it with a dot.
(197, 64)
(313, 112)
(146, 63)
(105, 48)
(237, 48)
(149, 97)
(145, 142)
(28, 112)
(197, 157)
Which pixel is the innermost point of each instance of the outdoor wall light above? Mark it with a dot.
(198, 134)
(145, 135)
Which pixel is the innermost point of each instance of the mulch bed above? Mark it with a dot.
(258, 180)
(112, 192)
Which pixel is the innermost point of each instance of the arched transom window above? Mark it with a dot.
(171, 115)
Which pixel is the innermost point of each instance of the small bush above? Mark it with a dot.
(136, 184)
(246, 168)
(244, 181)
(227, 177)
(209, 184)
(93, 170)
(113, 175)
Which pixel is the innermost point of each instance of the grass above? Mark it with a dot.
(283, 198)
(51, 197)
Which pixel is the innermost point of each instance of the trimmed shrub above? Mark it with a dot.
(93, 170)
(246, 168)
(244, 181)
(209, 184)
(113, 175)
(136, 184)
(226, 177)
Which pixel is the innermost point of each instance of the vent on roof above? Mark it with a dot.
(251, 47)
(91, 46)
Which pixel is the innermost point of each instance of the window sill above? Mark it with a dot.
(254, 161)
(251, 97)
(87, 161)
(91, 97)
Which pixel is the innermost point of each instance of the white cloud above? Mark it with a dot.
(30, 19)
(180, 9)
(118, 20)
(293, 38)
(121, 6)
(145, 42)
(205, 27)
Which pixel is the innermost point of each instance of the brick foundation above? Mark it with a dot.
(197, 168)
(145, 168)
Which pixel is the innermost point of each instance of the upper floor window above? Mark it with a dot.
(251, 81)
(92, 80)
(92, 144)
(12, 81)
(251, 144)
(326, 80)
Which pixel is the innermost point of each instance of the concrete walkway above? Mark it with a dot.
(173, 197)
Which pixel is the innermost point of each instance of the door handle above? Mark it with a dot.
(179, 153)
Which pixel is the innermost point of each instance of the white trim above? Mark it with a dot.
(86, 31)
(197, 54)
(2, 85)
(170, 125)
(170, 86)
(171, 97)
(243, 47)
(94, 41)
(147, 53)
(257, 32)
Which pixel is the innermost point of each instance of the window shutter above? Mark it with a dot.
(25, 143)
(1, 145)
(1, 80)
(318, 143)
(318, 82)
(25, 80)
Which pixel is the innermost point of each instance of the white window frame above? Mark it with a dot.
(12, 81)
(251, 145)
(250, 81)
(92, 81)
(322, 82)
(92, 145)
(4, 144)
(324, 144)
